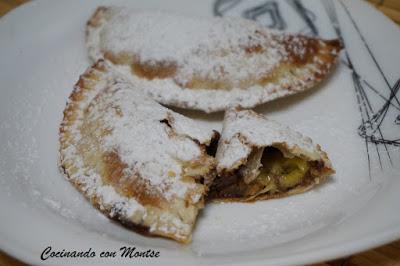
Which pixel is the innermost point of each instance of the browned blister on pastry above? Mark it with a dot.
(135, 160)
(208, 64)
(258, 158)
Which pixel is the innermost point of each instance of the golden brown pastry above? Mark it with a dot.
(135, 160)
(207, 64)
(258, 159)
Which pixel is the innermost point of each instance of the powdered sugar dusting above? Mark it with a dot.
(243, 129)
(114, 201)
(135, 122)
(191, 43)
(152, 142)
(219, 62)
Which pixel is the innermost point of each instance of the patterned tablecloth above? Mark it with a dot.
(383, 256)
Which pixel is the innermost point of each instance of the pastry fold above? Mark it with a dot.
(135, 160)
(259, 159)
(207, 64)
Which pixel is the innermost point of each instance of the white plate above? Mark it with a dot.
(42, 54)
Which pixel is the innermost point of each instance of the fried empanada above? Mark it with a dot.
(258, 159)
(135, 160)
(207, 64)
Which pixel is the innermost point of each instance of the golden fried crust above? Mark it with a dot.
(91, 169)
(97, 16)
(299, 63)
(246, 132)
(321, 54)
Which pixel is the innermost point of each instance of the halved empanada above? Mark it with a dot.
(207, 64)
(258, 158)
(137, 161)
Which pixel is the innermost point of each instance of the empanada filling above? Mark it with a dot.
(277, 174)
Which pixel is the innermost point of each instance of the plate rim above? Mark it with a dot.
(370, 241)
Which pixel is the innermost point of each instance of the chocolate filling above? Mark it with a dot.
(295, 172)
